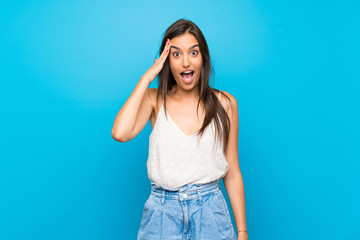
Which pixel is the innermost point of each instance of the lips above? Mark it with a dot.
(187, 76)
(183, 74)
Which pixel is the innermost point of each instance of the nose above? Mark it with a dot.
(186, 61)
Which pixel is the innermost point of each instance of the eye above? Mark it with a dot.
(174, 54)
(196, 52)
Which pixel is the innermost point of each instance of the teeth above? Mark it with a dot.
(187, 72)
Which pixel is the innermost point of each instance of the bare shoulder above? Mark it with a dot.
(228, 101)
(151, 95)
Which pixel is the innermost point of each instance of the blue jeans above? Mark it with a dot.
(193, 211)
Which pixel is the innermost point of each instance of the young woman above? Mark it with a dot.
(193, 143)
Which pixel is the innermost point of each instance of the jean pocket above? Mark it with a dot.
(147, 202)
(147, 210)
(223, 206)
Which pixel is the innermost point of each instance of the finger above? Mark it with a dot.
(166, 51)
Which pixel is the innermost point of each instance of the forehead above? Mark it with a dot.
(184, 41)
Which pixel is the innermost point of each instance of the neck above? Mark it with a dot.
(182, 95)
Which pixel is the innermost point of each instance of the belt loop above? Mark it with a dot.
(200, 199)
(163, 197)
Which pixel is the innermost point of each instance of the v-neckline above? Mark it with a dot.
(176, 126)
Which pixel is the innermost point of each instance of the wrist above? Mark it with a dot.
(146, 80)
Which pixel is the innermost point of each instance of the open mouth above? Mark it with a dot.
(187, 76)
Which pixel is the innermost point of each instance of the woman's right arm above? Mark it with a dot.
(137, 109)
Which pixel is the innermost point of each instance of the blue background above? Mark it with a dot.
(67, 67)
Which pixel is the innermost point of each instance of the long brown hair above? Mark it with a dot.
(210, 101)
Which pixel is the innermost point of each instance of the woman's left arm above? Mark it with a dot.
(233, 180)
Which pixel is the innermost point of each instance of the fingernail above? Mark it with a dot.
(167, 50)
(167, 40)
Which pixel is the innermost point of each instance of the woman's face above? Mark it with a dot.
(184, 57)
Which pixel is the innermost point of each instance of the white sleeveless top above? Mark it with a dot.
(176, 159)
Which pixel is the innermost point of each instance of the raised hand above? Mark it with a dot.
(159, 63)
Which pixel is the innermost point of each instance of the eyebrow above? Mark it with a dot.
(196, 45)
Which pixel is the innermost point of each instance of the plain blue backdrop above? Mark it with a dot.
(67, 67)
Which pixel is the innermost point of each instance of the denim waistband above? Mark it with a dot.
(186, 192)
